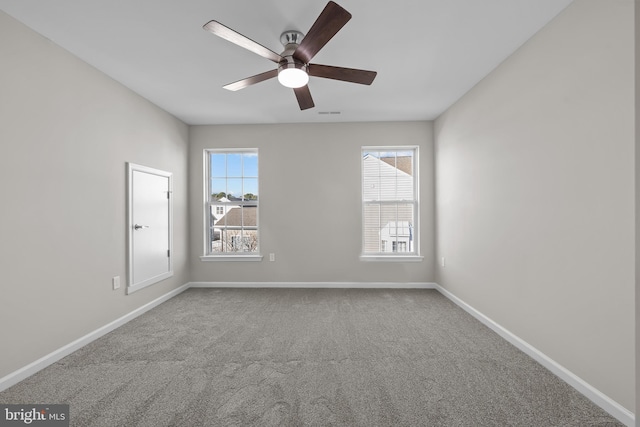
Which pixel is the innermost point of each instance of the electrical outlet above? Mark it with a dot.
(272, 257)
(115, 281)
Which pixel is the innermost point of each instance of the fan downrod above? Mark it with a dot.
(291, 37)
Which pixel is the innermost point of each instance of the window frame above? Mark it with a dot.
(207, 205)
(413, 256)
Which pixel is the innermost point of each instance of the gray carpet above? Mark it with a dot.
(313, 357)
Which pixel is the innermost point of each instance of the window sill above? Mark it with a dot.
(214, 258)
(391, 258)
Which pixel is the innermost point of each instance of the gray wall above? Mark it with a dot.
(310, 201)
(535, 194)
(66, 132)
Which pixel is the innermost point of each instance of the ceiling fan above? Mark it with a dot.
(294, 68)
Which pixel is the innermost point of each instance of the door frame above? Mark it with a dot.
(131, 168)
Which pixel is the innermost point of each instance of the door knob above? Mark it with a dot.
(138, 226)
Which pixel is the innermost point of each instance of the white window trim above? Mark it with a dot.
(231, 257)
(394, 256)
(225, 256)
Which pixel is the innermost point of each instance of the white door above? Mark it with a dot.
(149, 226)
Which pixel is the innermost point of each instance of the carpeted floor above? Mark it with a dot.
(306, 357)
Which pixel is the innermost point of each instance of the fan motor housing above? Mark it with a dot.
(291, 62)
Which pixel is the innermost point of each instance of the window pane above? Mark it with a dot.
(388, 176)
(218, 189)
(234, 188)
(234, 164)
(218, 243)
(250, 188)
(218, 164)
(237, 231)
(250, 229)
(215, 244)
(370, 177)
(250, 165)
(396, 222)
(388, 180)
(404, 162)
(372, 228)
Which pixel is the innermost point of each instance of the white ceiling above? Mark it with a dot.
(427, 53)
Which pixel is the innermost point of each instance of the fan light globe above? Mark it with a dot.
(293, 77)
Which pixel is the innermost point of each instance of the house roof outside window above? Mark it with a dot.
(404, 163)
(239, 217)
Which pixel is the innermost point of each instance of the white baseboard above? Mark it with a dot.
(22, 373)
(611, 406)
(342, 285)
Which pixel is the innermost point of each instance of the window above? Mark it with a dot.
(231, 204)
(390, 207)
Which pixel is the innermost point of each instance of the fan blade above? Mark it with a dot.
(241, 84)
(330, 21)
(304, 97)
(352, 75)
(236, 38)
